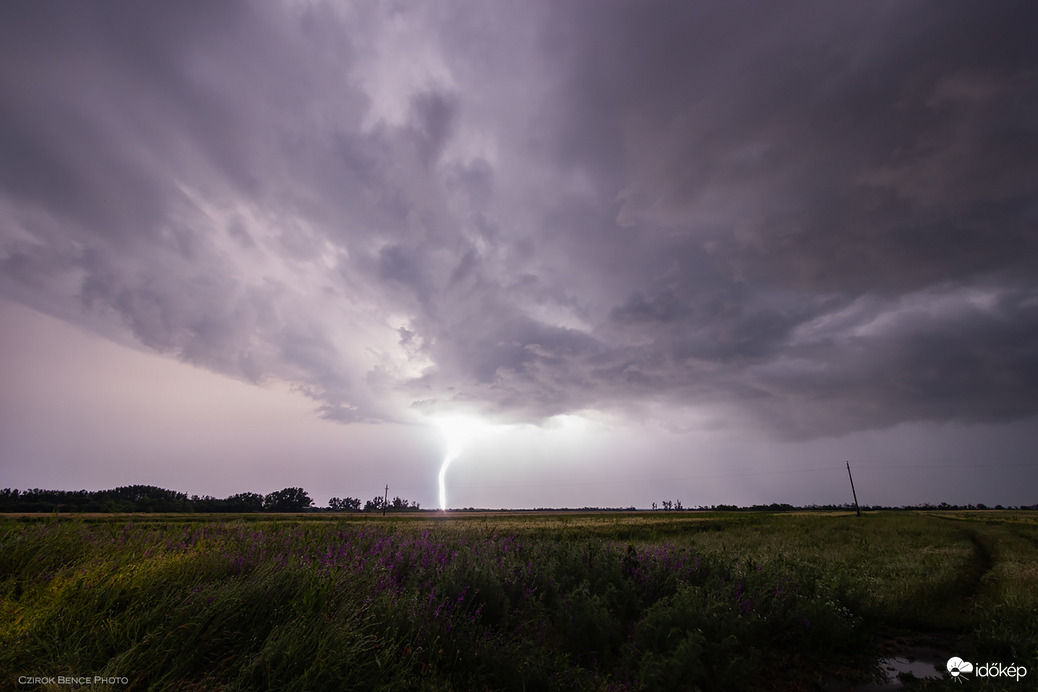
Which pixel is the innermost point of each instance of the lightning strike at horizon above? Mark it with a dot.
(457, 430)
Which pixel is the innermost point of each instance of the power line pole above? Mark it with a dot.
(857, 509)
(386, 499)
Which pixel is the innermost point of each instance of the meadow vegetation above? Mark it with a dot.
(711, 601)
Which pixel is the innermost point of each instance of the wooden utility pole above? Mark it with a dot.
(386, 500)
(856, 508)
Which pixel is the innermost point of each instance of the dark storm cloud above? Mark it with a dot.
(819, 217)
(780, 164)
(116, 124)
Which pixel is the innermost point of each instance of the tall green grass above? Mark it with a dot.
(592, 602)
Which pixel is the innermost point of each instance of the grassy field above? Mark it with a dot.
(568, 601)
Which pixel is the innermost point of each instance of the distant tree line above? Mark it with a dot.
(149, 498)
(846, 507)
(668, 505)
(375, 504)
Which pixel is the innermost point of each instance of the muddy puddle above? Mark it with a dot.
(906, 655)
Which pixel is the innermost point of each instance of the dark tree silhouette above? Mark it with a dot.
(287, 500)
(244, 502)
(344, 504)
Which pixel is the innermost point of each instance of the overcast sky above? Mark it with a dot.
(661, 250)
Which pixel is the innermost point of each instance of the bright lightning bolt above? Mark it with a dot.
(457, 430)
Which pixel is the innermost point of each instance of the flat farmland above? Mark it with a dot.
(509, 600)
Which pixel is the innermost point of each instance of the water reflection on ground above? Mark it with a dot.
(919, 655)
